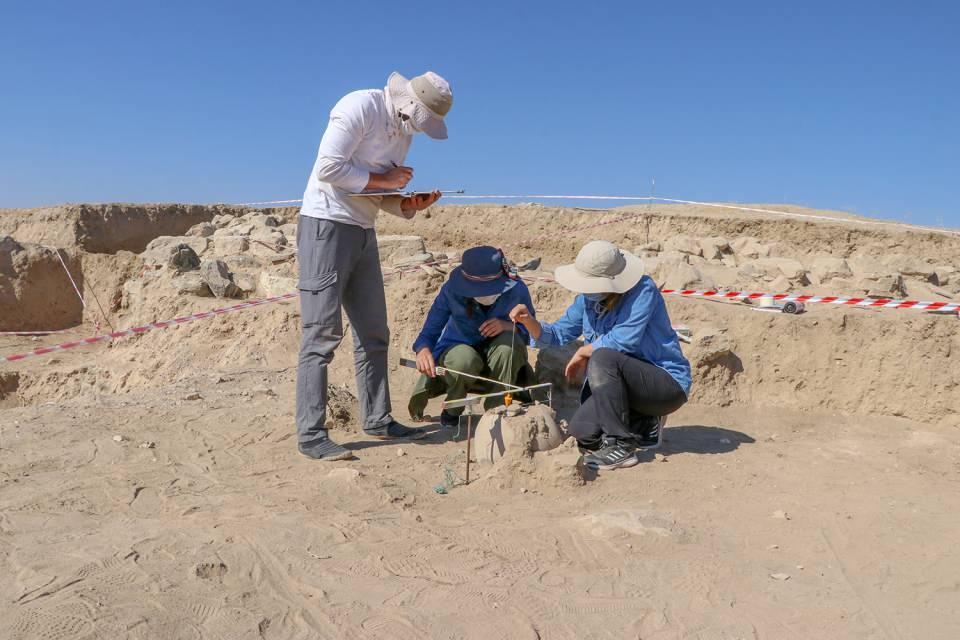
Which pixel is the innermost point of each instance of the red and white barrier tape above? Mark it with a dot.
(881, 303)
(726, 295)
(163, 324)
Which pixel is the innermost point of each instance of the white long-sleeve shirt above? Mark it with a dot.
(361, 138)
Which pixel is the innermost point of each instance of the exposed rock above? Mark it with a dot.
(686, 276)
(773, 267)
(750, 247)
(203, 230)
(419, 258)
(943, 275)
(217, 276)
(780, 284)
(394, 248)
(35, 292)
(160, 249)
(245, 282)
(911, 266)
(262, 219)
(230, 245)
(883, 287)
(713, 248)
(222, 220)
(183, 258)
(683, 244)
(825, 268)
(271, 285)
(750, 271)
(190, 284)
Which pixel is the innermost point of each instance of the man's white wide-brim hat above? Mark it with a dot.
(601, 267)
(430, 97)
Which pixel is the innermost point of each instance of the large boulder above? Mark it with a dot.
(217, 276)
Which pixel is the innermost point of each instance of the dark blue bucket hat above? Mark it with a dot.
(483, 271)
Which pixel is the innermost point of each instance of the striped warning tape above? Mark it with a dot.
(881, 303)
(134, 331)
(885, 303)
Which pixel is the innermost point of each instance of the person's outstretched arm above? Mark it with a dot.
(433, 326)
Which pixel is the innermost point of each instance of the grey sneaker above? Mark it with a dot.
(652, 436)
(615, 454)
(324, 449)
(396, 431)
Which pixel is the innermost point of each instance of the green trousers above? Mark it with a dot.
(496, 359)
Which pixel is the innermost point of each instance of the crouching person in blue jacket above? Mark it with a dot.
(636, 373)
(468, 330)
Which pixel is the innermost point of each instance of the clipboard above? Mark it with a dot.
(405, 194)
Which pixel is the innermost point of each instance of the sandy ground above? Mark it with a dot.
(151, 489)
(755, 524)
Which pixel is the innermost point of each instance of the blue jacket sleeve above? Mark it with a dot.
(626, 336)
(524, 298)
(436, 320)
(565, 330)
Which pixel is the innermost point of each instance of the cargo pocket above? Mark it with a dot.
(320, 300)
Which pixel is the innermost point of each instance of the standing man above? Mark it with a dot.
(363, 149)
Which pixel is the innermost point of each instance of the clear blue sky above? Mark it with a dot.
(849, 105)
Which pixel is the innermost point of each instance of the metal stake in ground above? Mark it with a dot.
(469, 430)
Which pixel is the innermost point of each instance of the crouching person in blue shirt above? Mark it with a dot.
(468, 330)
(636, 373)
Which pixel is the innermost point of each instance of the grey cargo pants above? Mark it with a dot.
(340, 266)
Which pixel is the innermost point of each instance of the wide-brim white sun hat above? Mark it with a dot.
(601, 267)
(427, 99)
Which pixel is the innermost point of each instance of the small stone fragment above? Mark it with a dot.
(118, 438)
(659, 457)
(773, 547)
(147, 445)
(779, 514)
(780, 576)
(523, 490)
(401, 453)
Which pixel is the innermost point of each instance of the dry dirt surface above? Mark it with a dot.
(151, 488)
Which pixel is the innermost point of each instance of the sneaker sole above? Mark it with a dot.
(416, 436)
(346, 455)
(623, 464)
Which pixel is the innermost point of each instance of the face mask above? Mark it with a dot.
(405, 121)
(595, 297)
(486, 300)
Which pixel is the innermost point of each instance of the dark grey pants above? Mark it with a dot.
(620, 394)
(340, 266)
